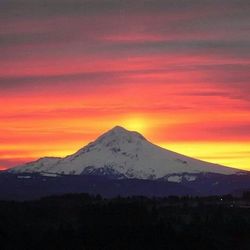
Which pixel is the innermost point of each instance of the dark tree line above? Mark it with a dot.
(79, 222)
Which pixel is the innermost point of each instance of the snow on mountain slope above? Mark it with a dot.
(124, 154)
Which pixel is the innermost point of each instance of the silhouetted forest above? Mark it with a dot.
(81, 221)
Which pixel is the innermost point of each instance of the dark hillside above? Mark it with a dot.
(91, 222)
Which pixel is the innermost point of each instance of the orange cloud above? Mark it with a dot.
(177, 73)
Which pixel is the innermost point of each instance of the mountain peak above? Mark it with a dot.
(119, 129)
(119, 133)
(113, 138)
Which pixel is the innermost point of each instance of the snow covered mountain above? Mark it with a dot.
(125, 154)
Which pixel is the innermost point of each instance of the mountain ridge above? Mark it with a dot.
(121, 153)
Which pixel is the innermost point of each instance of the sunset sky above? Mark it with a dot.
(177, 71)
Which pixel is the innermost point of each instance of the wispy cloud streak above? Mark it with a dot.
(72, 69)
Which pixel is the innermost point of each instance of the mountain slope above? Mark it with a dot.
(124, 154)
